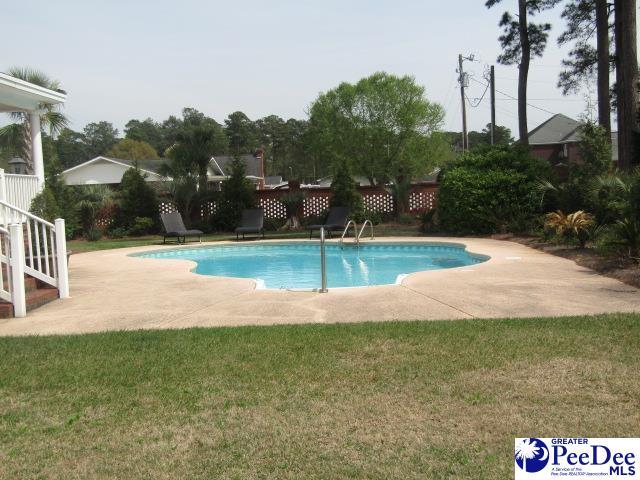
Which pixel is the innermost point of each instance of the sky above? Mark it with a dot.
(120, 60)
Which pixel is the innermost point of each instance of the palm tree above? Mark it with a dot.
(526, 450)
(16, 137)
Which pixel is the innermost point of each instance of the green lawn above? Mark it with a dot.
(380, 400)
(78, 246)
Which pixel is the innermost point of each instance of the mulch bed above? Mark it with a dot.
(614, 266)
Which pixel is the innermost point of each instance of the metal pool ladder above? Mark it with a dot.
(363, 227)
(355, 232)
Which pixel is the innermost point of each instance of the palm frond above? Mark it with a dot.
(12, 138)
(55, 121)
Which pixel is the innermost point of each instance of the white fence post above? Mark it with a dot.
(61, 258)
(17, 262)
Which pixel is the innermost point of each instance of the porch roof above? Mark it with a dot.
(19, 96)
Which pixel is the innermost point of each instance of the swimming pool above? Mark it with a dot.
(295, 265)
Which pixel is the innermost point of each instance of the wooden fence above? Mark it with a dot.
(422, 198)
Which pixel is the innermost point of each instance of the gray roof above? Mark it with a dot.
(558, 129)
(252, 165)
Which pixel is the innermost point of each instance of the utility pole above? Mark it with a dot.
(492, 80)
(462, 79)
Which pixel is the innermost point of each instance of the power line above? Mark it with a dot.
(480, 99)
(514, 98)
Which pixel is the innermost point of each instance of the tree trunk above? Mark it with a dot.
(627, 83)
(604, 104)
(27, 154)
(523, 73)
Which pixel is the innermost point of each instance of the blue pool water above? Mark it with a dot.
(297, 265)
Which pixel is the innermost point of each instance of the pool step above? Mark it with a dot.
(37, 294)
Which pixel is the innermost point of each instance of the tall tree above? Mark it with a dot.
(627, 83)
(521, 41)
(147, 131)
(383, 126)
(242, 133)
(100, 137)
(272, 132)
(501, 135)
(586, 19)
(71, 148)
(16, 137)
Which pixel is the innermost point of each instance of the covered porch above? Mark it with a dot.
(19, 96)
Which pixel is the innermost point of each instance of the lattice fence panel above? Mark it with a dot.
(208, 209)
(273, 208)
(378, 202)
(422, 201)
(165, 206)
(314, 206)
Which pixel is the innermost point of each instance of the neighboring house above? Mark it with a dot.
(109, 171)
(558, 141)
(220, 168)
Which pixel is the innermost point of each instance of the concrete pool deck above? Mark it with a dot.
(112, 291)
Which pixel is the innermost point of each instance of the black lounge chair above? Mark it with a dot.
(174, 228)
(336, 220)
(252, 222)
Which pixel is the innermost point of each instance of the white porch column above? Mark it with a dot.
(36, 148)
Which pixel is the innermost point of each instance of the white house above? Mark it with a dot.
(106, 170)
(109, 171)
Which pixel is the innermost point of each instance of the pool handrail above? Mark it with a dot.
(364, 224)
(355, 232)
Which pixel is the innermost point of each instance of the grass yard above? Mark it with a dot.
(81, 245)
(380, 400)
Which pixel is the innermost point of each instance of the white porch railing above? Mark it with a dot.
(5, 265)
(37, 248)
(18, 190)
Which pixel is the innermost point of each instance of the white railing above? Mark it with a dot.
(18, 190)
(5, 265)
(38, 248)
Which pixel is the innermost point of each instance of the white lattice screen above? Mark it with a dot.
(422, 201)
(273, 208)
(165, 206)
(378, 202)
(314, 206)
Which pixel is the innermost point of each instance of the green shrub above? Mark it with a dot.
(45, 205)
(345, 192)
(273, 224)
(491, 190)
(118, 232)
(141, 226)
(237, 194)
(137, 199)
(92, 199)
(429, 221)
(94, 234)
